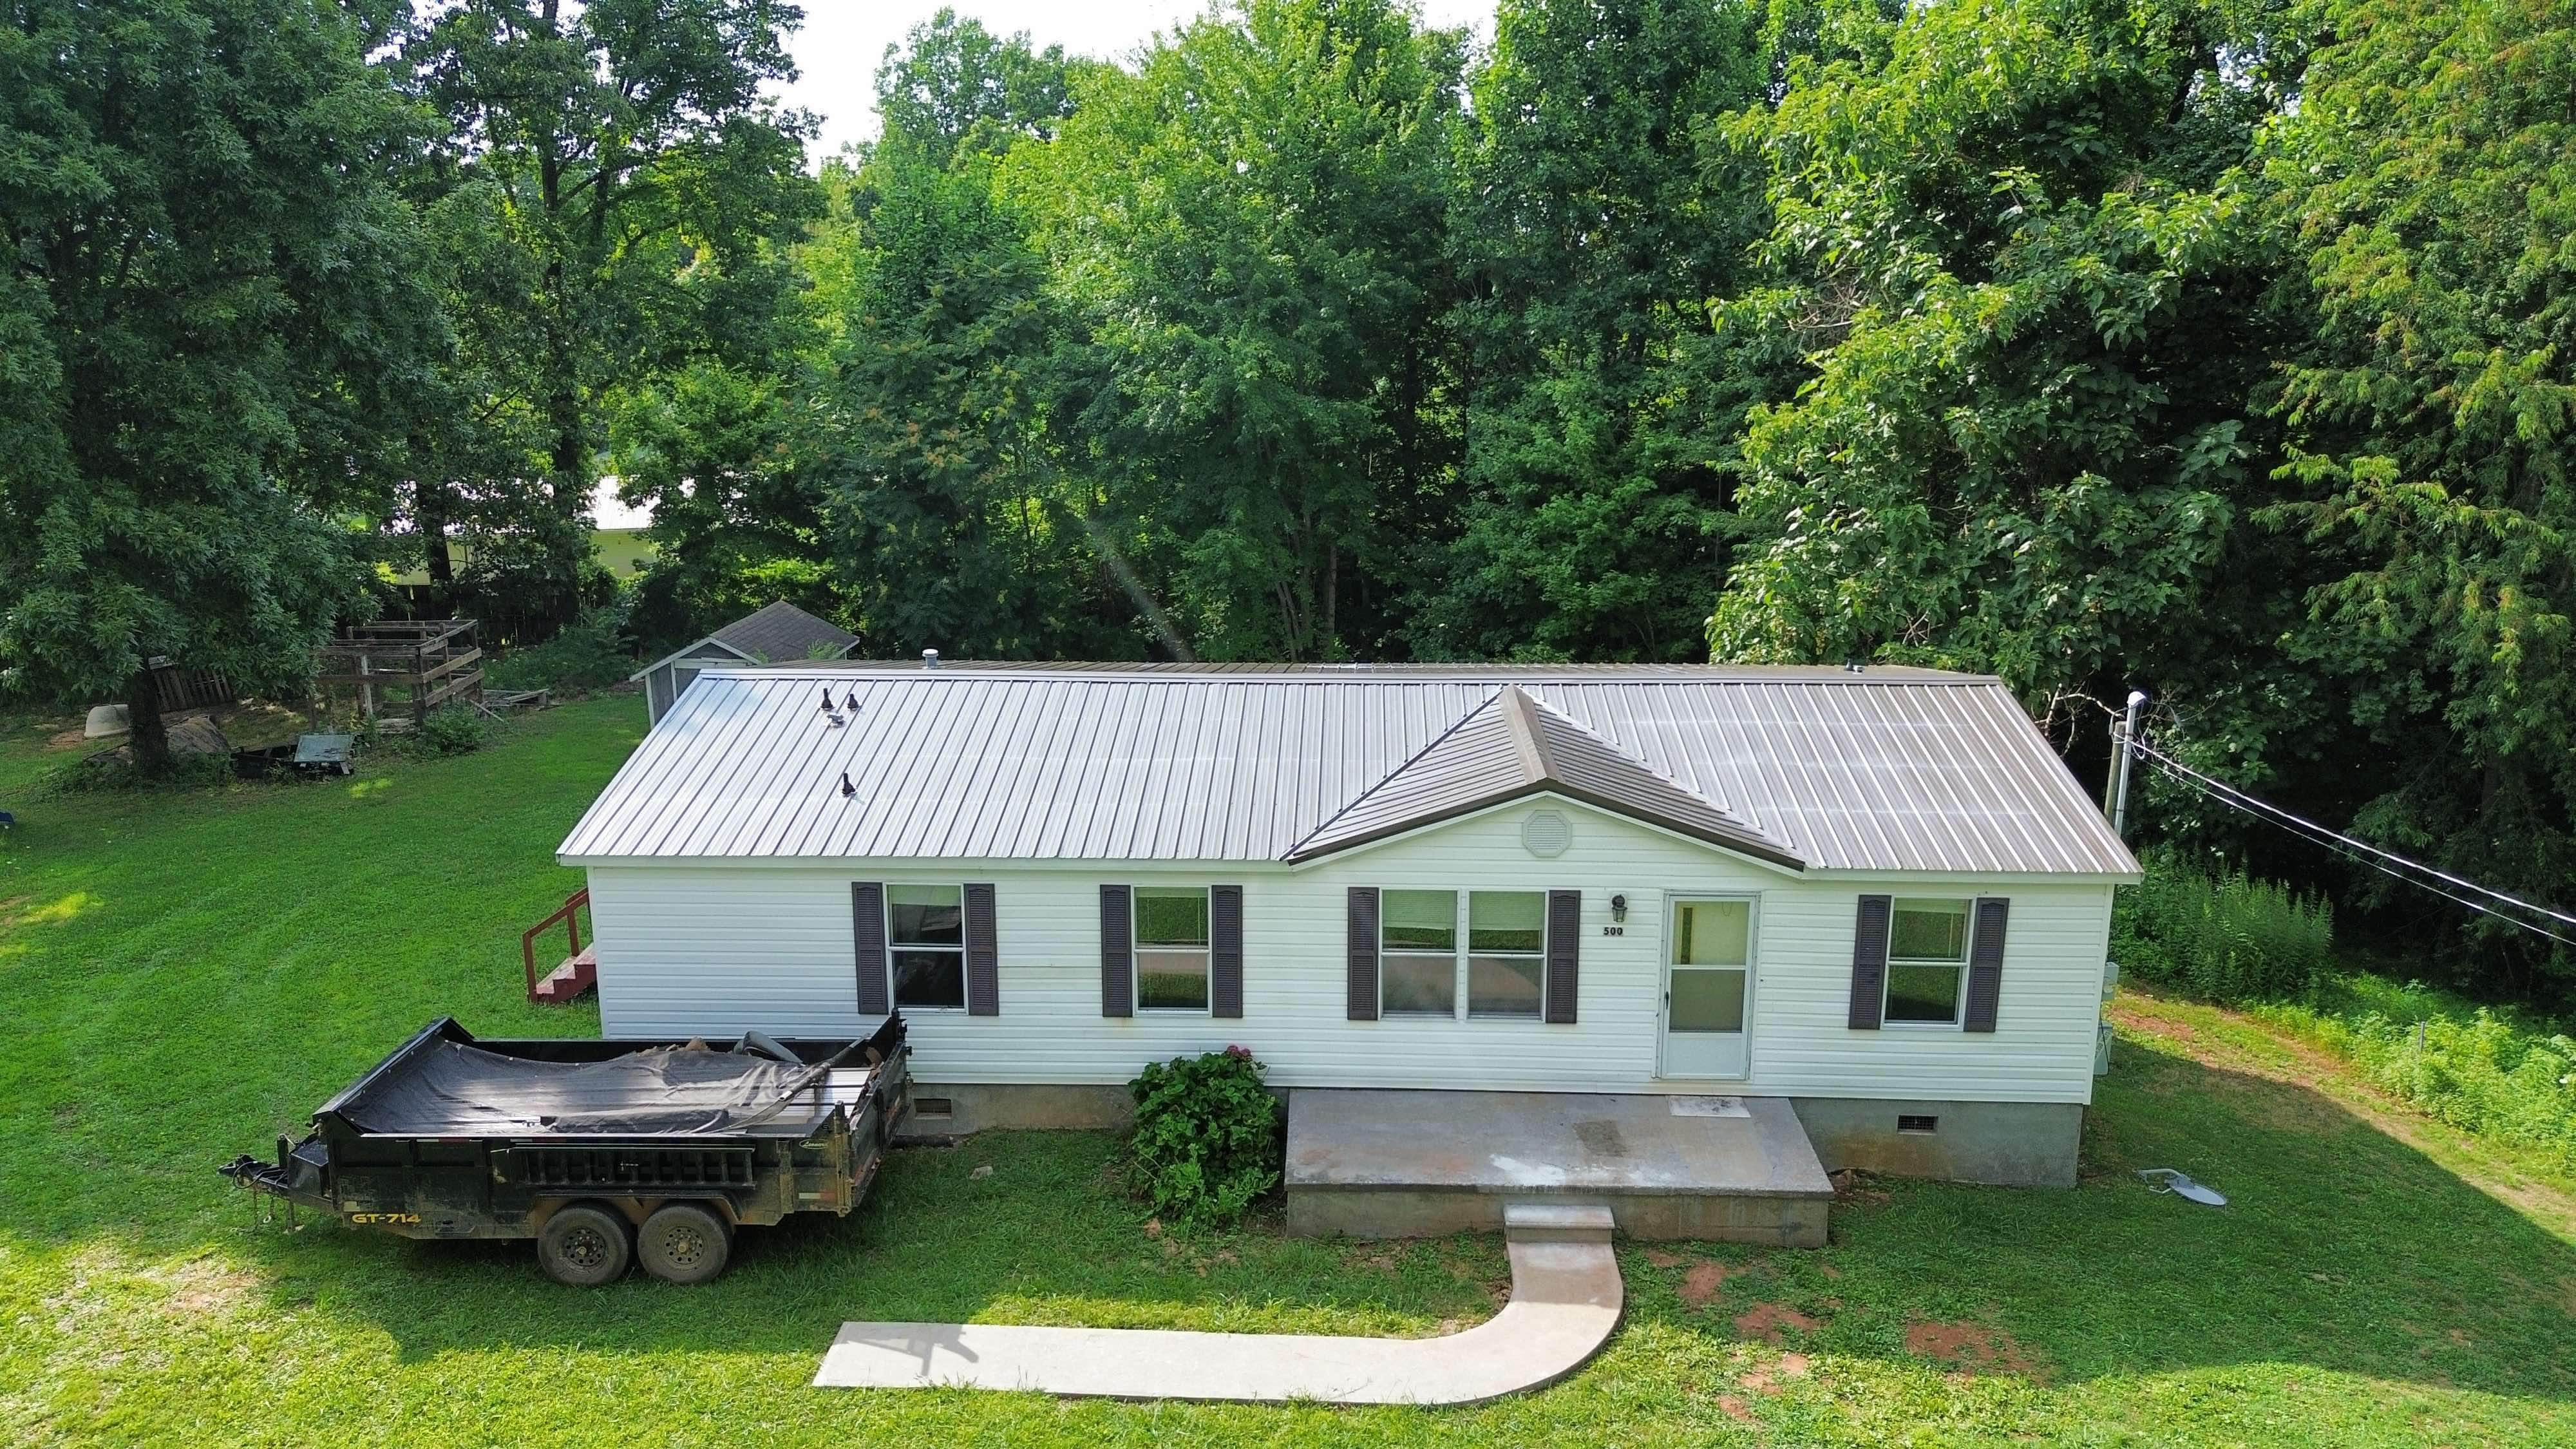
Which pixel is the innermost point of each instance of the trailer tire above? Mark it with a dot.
(585, 1245)
(684, 1243)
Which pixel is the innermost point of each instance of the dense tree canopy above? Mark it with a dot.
(2217, 347)
(211, 330)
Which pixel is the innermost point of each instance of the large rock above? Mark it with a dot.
(197, 735)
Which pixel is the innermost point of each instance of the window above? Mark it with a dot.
(926, 933)
(1418, 953)
(1506, 952)
(1171, 948)
(1927, 960)
(1421, 971)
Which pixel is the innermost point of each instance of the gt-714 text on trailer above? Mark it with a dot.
(605, 1152)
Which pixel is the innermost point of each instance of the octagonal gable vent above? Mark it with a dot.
(1546, 834)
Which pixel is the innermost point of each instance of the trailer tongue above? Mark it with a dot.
(604, 1152)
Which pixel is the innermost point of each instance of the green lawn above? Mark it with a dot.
(182, 976)
(622, 551)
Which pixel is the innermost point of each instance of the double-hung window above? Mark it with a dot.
(1171, 948)
(1501, 973)
(1927, 961)
(926, 934)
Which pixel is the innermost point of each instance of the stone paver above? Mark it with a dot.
(1566, 1299)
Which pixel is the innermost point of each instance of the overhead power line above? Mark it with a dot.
(2386, 862)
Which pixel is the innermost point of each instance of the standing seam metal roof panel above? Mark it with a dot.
(1891, 770)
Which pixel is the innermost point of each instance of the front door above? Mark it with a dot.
(1708, 988)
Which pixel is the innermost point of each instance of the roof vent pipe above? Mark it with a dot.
(930, 659)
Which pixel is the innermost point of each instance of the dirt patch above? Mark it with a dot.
(1767, 1379)
(1658, 1258)
(1765, 1321)
(1736, 1408)
(1701, 1283)
(1829, 1270)
(1973, 1348)
(1853, 1190)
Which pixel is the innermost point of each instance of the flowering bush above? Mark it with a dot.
(1207, 1139)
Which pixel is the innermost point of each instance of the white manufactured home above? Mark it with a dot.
(1874, 899)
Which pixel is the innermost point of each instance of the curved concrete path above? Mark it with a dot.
(1566, 1298)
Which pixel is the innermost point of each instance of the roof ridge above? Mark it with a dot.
(1382, 781)
(1521, 718)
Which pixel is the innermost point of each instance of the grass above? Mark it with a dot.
(622, 551)
(182, 976)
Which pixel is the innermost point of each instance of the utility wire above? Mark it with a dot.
(2357, 850)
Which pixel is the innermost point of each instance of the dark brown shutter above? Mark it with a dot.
(1985, 965)
(1869, 962)
(983, 954)
(1225, 950)
(867, 933)
(1117, 953)
(1564, 953)
(1363, 953)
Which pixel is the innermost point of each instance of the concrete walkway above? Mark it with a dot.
(1566, 1298)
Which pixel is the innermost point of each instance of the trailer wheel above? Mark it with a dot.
(684, 1243)
(585, 1245)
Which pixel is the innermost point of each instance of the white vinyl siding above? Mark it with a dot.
(715, 949)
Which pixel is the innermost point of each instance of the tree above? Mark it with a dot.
(2430, 411)
(2026, 447)
(215, 322)
(1246, 234)
(955, 86)
(628, 155)
(1601, 411)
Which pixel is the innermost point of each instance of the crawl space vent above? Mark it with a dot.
(1908, 1122)
(1545, 834)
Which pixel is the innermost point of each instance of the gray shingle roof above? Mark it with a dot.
(782, 633)
(1891, 770)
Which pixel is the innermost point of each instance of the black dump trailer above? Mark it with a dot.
(606, 1152)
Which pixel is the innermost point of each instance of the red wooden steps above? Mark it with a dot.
(578, 972)
(567, 982)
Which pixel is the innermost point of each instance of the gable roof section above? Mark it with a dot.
(783, 633)
(1510, 747)
(1888, 770)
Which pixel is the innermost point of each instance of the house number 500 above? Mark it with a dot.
(1614, 930)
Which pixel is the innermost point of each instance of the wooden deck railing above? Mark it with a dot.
(569, 913)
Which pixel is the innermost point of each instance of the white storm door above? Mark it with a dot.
(1708, 988)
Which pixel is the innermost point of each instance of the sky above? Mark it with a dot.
(842, 41)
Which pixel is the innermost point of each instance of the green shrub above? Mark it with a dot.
(1207, 1139)
(189, 770)
(453, 730)
(2496, 1073)
(591, 653)
(2225, 938)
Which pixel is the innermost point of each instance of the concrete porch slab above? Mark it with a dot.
(1566, 1299)
(1422, 1164)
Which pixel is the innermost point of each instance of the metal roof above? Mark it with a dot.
(1883, 770)
(1513, 746)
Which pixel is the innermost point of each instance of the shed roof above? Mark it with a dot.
(784, 633)
(1886, 770)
